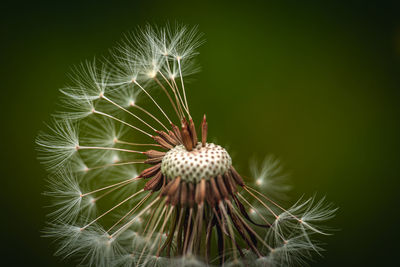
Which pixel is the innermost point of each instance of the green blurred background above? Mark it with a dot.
(315, 83)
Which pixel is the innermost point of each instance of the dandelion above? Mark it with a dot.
(136, 183)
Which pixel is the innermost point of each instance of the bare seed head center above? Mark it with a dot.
(202, 162)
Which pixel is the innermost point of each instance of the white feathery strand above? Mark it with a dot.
(108, 148)
(255, 209)
(121, 121)
(160, 216)
(232, 234)
(152, 222)
(167, 61)
(262, 217)
(180, 217)
(273, 202)
(65, 190)
(262, 203)
(175, 90)
(152, 99)
(220, 221)
(151, 115)
(270, 200)
(119, 83)
(166, 80)
(195, 222)
(127, 111)
(131, 211)
(113, 208)
(114, 164)
(162, 228)
(187, 230)
(150, 218)
(125, 226)
(180, 97)
(135, 144)
(169, 96)
(250, 229)
(197, 225)
(181, 114)
(110, 191)
(59, 146)
(171, 83)
(269, 177)
(183, 85)
(288, 212)
(110, 186)
(259, 214)
(175, 85)
(55, 147)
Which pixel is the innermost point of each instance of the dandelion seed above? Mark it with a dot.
(189, 206)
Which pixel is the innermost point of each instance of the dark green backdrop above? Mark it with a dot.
(315, 83)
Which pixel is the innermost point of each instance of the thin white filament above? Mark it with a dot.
(127, 111)
(125, 226)
(183, 86)
(110, 186)
(113, 208)
(152, 99)
(109, 148)
(131, 211)
(121, 121)
(151, 115)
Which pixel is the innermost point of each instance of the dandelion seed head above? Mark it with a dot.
(134, 182)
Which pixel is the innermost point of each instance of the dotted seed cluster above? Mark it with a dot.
(202, 162)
